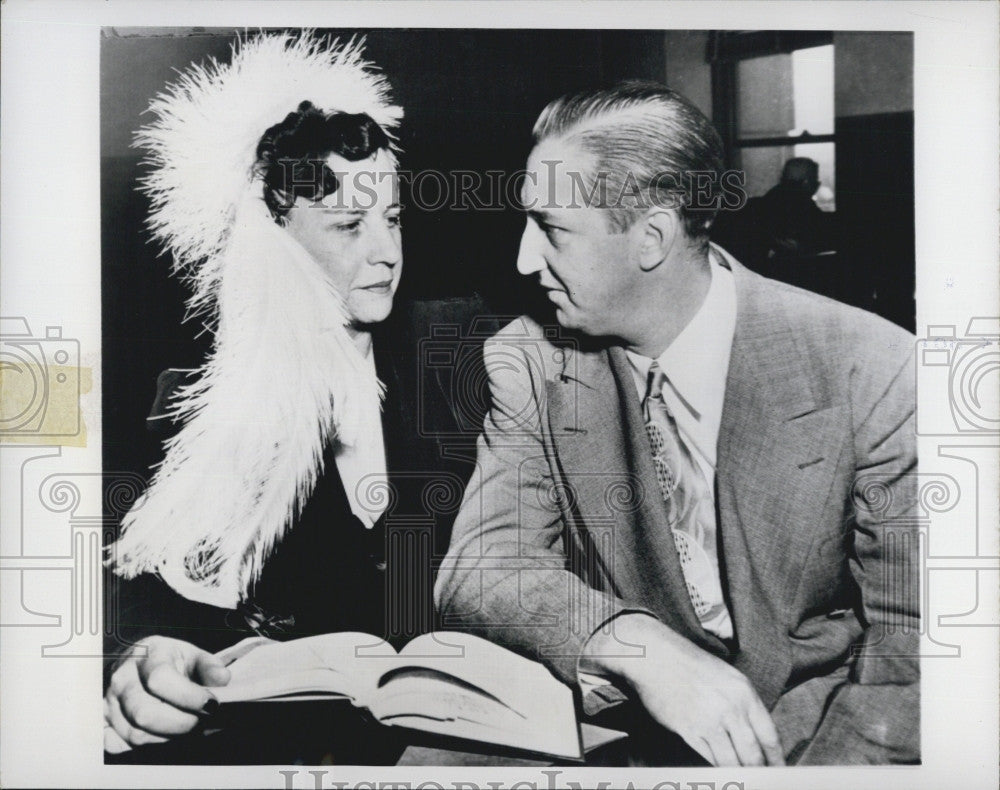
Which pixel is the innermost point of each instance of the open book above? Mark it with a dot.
(450, 683)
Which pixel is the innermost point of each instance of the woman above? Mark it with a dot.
(274, 187)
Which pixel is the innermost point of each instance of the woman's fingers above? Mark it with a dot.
(169, 671)
(113, 742)
(124, 728)
(210, 671)
(149, 714)
(164, 683)
(148, 699)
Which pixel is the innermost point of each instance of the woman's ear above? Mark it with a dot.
(659, 233)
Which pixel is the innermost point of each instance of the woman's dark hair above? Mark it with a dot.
(291, 155)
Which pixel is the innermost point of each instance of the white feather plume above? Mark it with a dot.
(284, 376)
(203, 142)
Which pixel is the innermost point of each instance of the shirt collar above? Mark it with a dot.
(697, 362)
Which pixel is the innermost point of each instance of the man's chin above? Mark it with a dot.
(568, 319)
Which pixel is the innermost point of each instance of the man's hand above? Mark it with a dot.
(711, 705)
(160, 693)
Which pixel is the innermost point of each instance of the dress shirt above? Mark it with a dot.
(362, 465)
(696, 364)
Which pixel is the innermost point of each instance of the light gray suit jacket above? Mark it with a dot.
(562, 527)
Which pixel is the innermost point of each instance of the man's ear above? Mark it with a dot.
(659, 233)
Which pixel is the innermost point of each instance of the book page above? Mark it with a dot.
(511, 678)
(324, 664)
(434, 695)
(484, 693)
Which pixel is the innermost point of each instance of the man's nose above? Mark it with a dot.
(529, 257)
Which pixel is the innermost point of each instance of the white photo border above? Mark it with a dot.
(51, 715)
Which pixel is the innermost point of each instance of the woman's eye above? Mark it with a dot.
(394, 220)
(348, 227)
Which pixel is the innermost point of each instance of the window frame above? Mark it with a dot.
(726, 48)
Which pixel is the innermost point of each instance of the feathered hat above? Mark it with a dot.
(283, 377)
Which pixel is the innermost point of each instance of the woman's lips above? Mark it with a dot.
(379, 288)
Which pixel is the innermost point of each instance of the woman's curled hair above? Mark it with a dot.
(291, 155)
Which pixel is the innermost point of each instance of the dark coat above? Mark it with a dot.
(330, 573)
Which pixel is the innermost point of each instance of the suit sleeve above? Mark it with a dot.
(874, 716)
(508, 574)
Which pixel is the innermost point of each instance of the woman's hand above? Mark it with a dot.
(159, 692)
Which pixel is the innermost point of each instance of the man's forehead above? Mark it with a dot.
(557, 168)
(559, 157)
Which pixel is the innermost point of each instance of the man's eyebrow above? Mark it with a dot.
(539, 215)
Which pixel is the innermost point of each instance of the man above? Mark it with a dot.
(776, 233)
(703, 503)
(796, 224)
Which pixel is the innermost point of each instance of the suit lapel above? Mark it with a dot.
(774, 470)
(774, 473)
(596, 423)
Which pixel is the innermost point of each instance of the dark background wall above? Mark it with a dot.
(875, 200)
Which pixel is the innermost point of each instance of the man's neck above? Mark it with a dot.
(662, 313)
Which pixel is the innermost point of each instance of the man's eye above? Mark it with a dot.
(554, 235)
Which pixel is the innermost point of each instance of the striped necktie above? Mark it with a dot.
(690, 509)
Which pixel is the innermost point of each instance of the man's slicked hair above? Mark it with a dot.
(645, 138)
